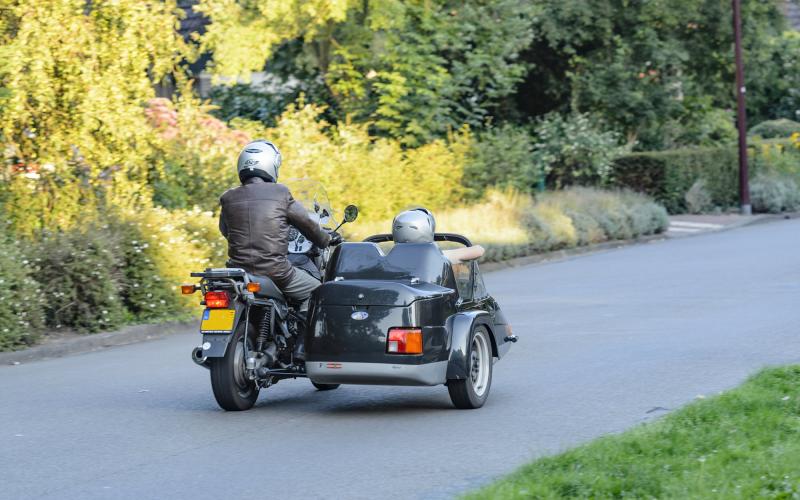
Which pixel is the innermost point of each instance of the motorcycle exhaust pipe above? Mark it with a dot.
(197, 357)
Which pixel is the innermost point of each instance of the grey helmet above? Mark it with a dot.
(414, 226)
(257, 159)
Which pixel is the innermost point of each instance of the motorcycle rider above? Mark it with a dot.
(255, 219)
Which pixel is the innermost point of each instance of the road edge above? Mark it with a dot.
(94, 342)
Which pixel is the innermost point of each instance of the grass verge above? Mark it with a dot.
(744, 443)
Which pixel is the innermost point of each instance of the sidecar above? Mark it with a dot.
(408, 316)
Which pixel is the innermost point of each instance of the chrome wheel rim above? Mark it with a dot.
(480, 357)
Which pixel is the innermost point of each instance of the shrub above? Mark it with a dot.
(775, 129)
(502, 157)
(774, 193)
(698, 199)
(511, 224)
(84, 275)
(699, 125)
(21, 299)
(574, 149)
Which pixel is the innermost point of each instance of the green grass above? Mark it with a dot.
(744, 443)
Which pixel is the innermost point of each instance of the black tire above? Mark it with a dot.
(325, 387)
(232, 391)
(472, 392)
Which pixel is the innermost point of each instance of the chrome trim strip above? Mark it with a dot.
(376, 373)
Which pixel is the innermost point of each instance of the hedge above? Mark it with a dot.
(668, 175)
(774, 129)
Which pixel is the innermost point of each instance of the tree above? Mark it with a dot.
(75, 77)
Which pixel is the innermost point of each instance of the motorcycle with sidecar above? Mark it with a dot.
(406, 315)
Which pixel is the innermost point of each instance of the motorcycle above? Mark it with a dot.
(249, 328)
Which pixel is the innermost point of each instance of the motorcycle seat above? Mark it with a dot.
(268, 288)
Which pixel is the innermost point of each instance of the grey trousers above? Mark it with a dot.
(300, 288)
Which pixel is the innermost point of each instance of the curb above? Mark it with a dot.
(140, 333)
(94, 342)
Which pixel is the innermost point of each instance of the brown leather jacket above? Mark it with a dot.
(255, 220)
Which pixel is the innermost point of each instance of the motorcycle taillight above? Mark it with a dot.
(217, 300)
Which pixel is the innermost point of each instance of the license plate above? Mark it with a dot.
(217, 320)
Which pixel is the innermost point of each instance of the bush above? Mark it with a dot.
(84, 277)
(126, 268)
(501, 157)
(574, 149)
(773, 193)
(775, 129)
(698, 199)
(21, 299)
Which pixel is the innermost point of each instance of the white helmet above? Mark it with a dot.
(259, 158)
(414, 226)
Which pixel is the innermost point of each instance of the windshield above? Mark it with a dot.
(312, 195)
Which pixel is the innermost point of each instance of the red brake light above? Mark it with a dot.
(217, 300)
(404, 341)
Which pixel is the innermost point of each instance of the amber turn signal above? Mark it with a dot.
(188, 289)
(253, 287)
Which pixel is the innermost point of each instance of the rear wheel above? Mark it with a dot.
(325, 387)
(232, 390)
(473, 391)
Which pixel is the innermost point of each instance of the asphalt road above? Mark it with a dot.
(608, 341)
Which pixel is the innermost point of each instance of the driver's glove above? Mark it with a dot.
(336, 239)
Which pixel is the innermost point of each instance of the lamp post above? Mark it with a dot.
(741, 114)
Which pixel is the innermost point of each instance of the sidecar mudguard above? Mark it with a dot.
(460, 326)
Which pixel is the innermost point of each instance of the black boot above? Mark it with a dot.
(299, 353)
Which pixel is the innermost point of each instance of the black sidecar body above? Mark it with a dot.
(406, 317)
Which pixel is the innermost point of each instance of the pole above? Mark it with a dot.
(741, 115)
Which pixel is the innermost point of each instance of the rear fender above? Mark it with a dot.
(459, 327)
(218, 343)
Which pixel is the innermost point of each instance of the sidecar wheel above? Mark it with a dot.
(473, 391)
(232, 390)
(325, 387)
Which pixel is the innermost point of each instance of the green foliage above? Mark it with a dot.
(775, 129)
(415, 70)
(75, 76)
(574, 149)
(669, 175)
(642, 65)
(351, 164)
(501, 156)
(774, 193)
(84, 274)
(443, 65)
(198, 154)
(21, 299)
(699, 125)
(250, 103)
(243, 35)
(741, 444)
